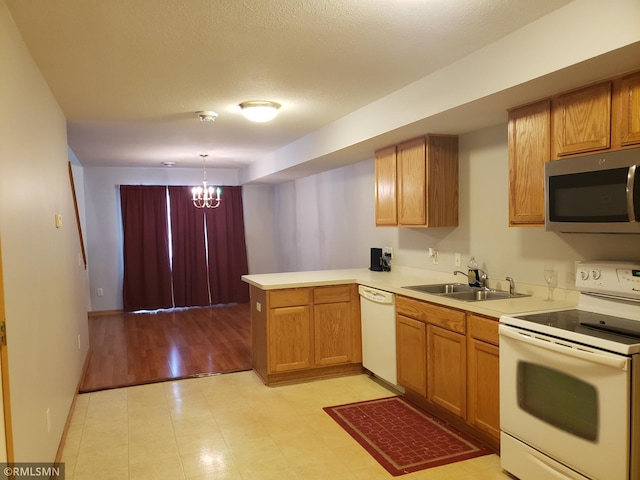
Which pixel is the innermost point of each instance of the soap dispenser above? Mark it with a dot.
(473, 273)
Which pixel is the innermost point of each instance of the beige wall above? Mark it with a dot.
(104, 223)
(328, 221)
(45, 285)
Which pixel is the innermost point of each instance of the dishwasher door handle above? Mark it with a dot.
(377, 296)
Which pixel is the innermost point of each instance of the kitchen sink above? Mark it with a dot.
(464, 293)
(442, 288)
(479, 295)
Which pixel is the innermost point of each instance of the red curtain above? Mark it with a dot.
(147, 272)
(190, 283)
(227, 249)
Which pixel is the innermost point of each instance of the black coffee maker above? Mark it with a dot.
(379, 263)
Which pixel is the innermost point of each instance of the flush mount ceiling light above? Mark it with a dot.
(259, 110)
(207, 116)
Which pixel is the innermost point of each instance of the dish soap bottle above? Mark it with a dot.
(474, 274)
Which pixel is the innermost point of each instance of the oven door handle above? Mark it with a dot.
(619, 363)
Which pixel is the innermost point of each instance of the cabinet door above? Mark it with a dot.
(529, 149)
(332, 333)
(630, 110)
(385, 173)
(411, 354)
(582, 120)
(442, 180)
(484, 387)
(412, 182)
(447, 370)
(289, 333)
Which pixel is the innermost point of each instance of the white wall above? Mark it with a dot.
(44, 281)
(327, 221)
(104, 227)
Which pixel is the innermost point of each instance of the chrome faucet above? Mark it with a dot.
(455, 272)
(482, 279)
(512, 286)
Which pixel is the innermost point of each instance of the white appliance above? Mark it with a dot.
(570, 382)
(378, 317)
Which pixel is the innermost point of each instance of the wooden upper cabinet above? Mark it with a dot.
(412, 188)
(427, 169)
(385, 172)
(442, 181)
(630, 110)
(529, 133)
(582, 120)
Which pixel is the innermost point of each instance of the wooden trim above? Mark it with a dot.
(75, 207)
(4, 363)
(102, 313)
(63, 438)
(313, 373)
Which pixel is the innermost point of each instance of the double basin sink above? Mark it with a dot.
(465, 293)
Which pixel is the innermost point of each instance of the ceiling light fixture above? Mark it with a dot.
(207, 116)
(259, 110)
(205, 196)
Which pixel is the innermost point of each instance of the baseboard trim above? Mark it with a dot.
(65, 430)
(101, 313)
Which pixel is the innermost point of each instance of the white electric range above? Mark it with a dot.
(570, 382)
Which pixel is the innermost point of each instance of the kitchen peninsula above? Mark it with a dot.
(306, 325)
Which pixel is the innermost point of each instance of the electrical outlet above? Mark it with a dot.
(100, 292)
(258, 306)
(458, 260)
(79, 347)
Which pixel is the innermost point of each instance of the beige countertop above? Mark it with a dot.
(400, 277)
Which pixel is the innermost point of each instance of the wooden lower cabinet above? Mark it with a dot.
(411, 352)
(431, 353)
(332, 332)
(483, 372)
(302, 333)
(447, 370)
(448, 364)
(289, 338)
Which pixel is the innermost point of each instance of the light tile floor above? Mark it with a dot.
(231, 427)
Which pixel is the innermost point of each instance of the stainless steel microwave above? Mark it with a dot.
(594, 193)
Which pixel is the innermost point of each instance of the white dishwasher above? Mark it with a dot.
(378, 317)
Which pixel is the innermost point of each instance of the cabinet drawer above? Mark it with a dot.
(482, 328)
(332, 294)
(289, 297)
(444, 317)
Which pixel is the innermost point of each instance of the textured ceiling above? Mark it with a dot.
(130, 75)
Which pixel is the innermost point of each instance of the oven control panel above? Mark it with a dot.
(609, 278)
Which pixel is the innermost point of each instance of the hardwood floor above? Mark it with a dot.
(131, 349)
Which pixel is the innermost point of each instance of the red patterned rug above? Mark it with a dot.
(402, 437)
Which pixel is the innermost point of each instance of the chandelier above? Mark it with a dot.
(206, 196)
